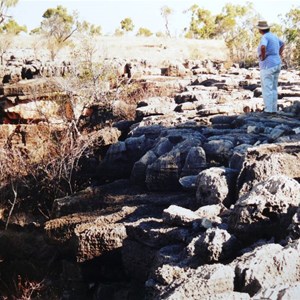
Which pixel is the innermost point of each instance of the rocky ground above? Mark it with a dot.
(201, 199)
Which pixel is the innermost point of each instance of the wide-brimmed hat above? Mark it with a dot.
(262, 25)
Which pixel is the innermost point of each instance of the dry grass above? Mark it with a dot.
(152, 49)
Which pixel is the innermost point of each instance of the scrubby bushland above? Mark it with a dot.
(32, 178)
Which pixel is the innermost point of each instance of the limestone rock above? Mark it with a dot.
(163, 174)
(155, 106)
(188, 182)
(267, 210)
(180, 216)
(195, 162)
(195, 284)
(138, 173)
(281, 291)
(155, 233)
(210, 211)
(266, 160)
(105, 234)
(215, 245)
(219, 150)
(216, 185)
(266, 266)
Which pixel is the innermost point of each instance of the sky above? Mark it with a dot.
(144, 13)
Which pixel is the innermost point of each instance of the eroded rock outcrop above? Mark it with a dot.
(197, 198)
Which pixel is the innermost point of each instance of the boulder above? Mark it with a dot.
(267, 210)
(194, 162)
(138, 173)
(266, 266)
(62, 229)
(176, 69)
(219, 150)
(163, 173)
(216, 185)
(120, 157)
(154, 106)
(195, 284)
(94, 240)
(216, 245)
(237, 159)
(163, 146)
(102, 235)
(176, 215)
(154, 233)
(211, 211)
(188, 182)
(266, 160)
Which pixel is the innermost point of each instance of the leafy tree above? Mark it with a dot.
(4, 6)
(292, 34)
(236, 25)
(127, 25)
(166, 12)
(12, 27)
(58, 26)
(144, 32)
(86, 45)
(88, 29)
(202, 25)
(8, 31)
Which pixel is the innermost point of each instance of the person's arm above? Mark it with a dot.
(262, 52)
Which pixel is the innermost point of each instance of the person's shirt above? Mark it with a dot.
(272, 44)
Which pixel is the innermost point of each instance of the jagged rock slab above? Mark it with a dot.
(62, 229)
(36, 88)
(153, 233)
(216, 185)
(267, 210)
(216, 245)
(266, 160)
(106, 233)
(195, 284)
(266, 266)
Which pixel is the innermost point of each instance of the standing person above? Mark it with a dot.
(269, 51)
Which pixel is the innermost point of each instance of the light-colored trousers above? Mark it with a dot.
(269, 83)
